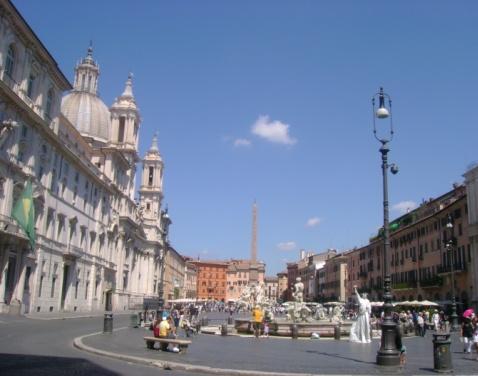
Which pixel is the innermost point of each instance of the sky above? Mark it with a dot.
(271, 101)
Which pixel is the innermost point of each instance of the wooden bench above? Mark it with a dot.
(181, 343)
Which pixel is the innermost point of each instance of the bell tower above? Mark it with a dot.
(151, 189)
(125, 119)
(86, 74)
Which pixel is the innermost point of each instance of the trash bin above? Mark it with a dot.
(294, 329)
(133, 320)
(230, 320)
(204, 321)
(337, 331)
(108, 323)
(224, 329)
(441, 353)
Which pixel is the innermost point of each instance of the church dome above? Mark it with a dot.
(82, 106)
(88, 114)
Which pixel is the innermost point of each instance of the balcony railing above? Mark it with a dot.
(458, 268)
(8, 225)
(435, 281)
(405, 285)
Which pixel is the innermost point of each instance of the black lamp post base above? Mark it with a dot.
(388, 354)
(386, 359)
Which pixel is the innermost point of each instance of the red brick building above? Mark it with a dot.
(211, 279)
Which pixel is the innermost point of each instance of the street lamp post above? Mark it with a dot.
(449, 247)
(165, 222)
(388, 354)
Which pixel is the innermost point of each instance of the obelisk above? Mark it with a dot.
(253, 268)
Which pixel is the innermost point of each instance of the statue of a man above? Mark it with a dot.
(298, 290)
(360, 331)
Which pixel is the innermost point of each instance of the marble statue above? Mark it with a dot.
(298, 311)
(298, 290)
(360, 330)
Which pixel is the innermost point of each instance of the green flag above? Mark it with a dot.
(24, 212)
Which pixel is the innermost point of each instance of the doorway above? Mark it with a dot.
(10, 280)
(108, 300)
(64, 285)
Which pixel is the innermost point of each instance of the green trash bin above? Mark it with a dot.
(441, 353)
(108, 323)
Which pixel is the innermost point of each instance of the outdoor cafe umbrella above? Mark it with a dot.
(428, 303)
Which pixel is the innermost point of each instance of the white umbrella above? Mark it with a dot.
(428, 303)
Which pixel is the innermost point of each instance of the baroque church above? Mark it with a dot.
(96, 247)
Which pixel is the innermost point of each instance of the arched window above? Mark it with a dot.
(10, 62)
(49, 103)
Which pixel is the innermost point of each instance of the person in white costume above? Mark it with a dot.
(360, 331)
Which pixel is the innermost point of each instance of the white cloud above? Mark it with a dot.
(286, 246)
(404, 206)
(312, 222)
(238, 142)
(273, 131)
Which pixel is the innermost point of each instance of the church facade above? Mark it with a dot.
(96, 247)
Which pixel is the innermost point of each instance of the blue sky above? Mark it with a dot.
(270, 101)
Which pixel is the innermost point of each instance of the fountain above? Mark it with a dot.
(299, 314)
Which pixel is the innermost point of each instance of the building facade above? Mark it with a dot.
(190, 280)
(211, 279)
(333, 279)
(239, 274)
(420, 264)
(96, 248)
(471, 182)
(271, 285)
(282, 285)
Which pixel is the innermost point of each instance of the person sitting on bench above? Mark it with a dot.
(164, 332)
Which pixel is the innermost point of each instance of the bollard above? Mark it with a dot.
(224, 329)
(337, 332)
(230, 320)
(441, 353)
(108, 323)
(294, 331)
(133, 320)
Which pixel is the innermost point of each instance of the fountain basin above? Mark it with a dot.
(283, 328)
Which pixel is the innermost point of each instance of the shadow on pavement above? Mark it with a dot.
(335, 355)
(15, 364)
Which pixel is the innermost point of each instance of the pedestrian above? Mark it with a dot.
(421, 325)
(399, 330)
(467, 331)
(266, 329)
(436, 320)
(257, 317)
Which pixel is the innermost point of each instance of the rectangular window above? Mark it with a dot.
(30, 84)
(40, 287)
(76, 289)
(121, 129)
(86, 290)
(26, 285)
(53, 179)
(150, 176)
(53, 283)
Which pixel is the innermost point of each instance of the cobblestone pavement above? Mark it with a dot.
(325, 356)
